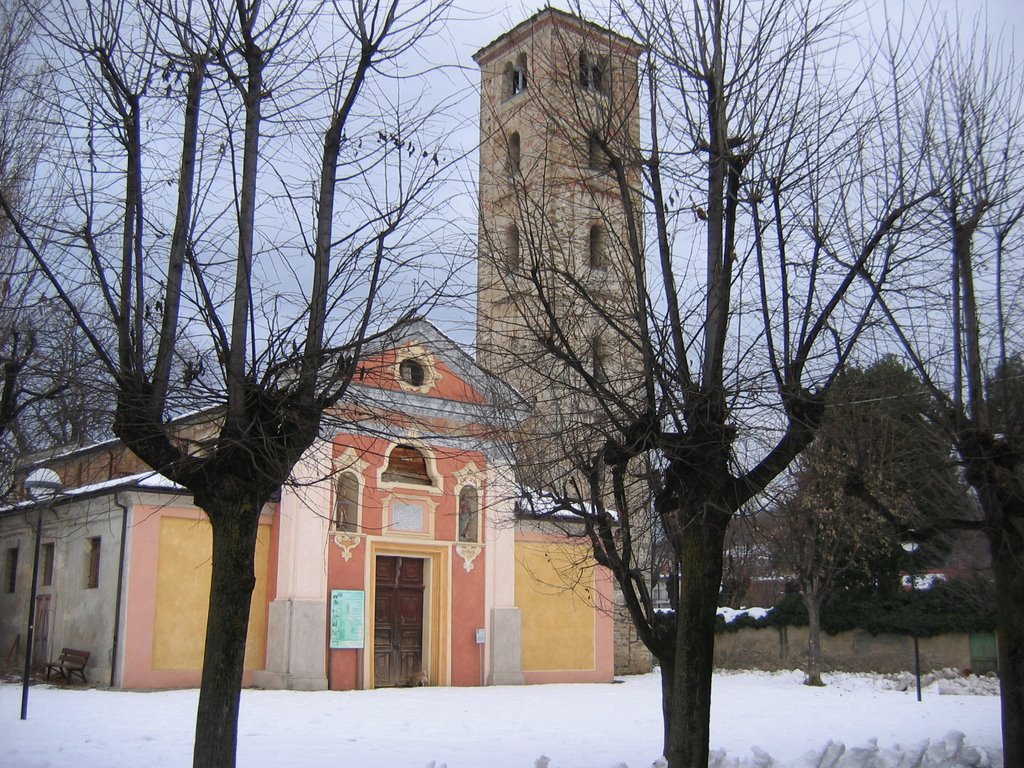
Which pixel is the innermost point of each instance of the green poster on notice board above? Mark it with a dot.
(348, 622)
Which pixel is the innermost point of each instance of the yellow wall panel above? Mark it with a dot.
(554, 593)
(183, 594)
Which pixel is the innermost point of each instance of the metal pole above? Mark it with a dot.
(43, 485)
(32, 613)
(910, 547)
(917, 667)
(120, 590)
(913, 613)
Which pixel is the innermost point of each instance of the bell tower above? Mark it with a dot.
(559, 132)
(561, 246)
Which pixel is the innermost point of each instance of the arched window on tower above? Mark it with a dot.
(593, 75)
(512, 256)
(596, 249)
(346, 502)
(596, 160)
(517, 75)
(406, 465)
(507, 79)
(514, 153)
(469, 514)
(599, 359)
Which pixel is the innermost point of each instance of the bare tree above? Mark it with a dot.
(232, 197)
(955, 310)
(683, 377)
(40, 351)
(53, 393)
(18, 148)
(816, 538)
(876, 435)
(744, 562)
(17, 347)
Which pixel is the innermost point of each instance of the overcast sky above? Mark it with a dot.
(480, 21)
(474, 23)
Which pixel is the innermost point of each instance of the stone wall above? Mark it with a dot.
(855, 651)
(631, 655)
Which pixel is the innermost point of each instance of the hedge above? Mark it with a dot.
(948, 607)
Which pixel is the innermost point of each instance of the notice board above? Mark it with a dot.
(348, 618)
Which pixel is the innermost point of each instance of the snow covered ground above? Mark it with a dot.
(856, 721)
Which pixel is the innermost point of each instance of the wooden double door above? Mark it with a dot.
(398, 623)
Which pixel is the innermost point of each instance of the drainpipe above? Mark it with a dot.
(120, 588)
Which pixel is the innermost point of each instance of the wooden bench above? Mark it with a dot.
(70, 663)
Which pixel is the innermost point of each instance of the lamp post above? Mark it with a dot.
(42, 485)
(910, 547)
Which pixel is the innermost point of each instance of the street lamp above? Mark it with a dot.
(910, 547)
(42, 485)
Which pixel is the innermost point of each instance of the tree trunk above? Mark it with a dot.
(1009, 573)
(689, 713)
(668, 674)
(232, 582)
(812, 602)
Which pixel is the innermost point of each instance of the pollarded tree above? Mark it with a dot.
(681, 394)
(955, 309)
(233, 191)
(878, 450)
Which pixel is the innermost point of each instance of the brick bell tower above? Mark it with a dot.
(559, 100)
(559, 96)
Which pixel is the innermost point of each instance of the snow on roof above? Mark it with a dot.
(732, 614)
(144, 481)
(544, 504)
(150, 480)
(923, 581)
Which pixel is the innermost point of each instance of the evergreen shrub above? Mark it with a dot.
(946, 608)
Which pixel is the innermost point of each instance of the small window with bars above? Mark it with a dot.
(92, 562)
(11, 570)
(46, 576)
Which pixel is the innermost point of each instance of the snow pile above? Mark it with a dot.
(950, 752)
(949, 682)
(971, 685)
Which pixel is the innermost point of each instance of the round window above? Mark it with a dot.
(412, 372)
